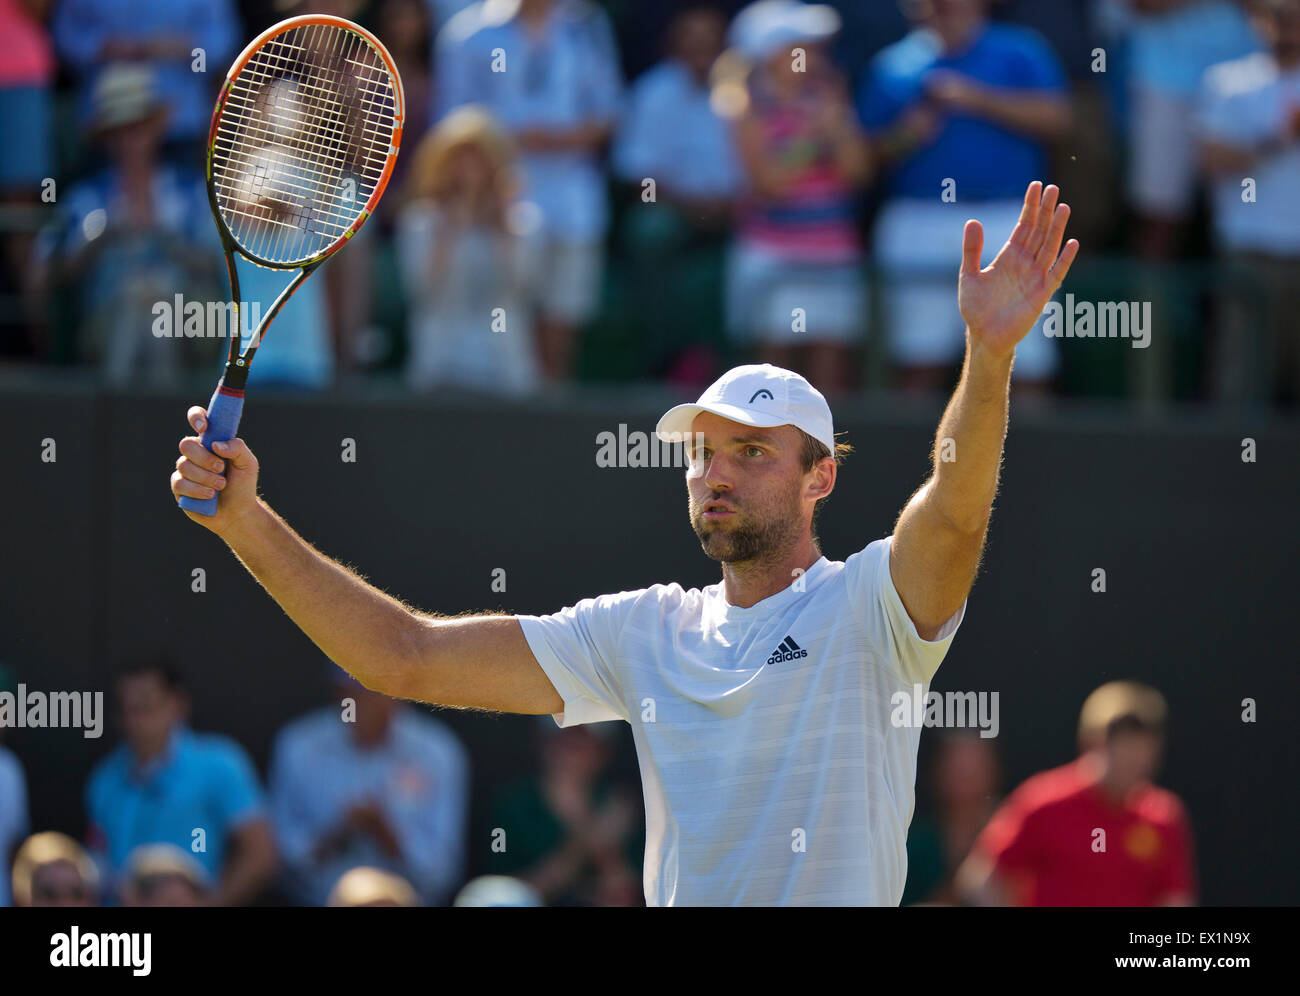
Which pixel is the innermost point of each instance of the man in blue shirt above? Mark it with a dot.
(165, 35)
(960, 111)
(168, 784)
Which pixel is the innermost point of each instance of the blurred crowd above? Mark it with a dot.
(366, 803)
(654, 191)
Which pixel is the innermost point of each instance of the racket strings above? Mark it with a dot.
(303, 141)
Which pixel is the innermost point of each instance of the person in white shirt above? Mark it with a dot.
(760, 705)
(1250, 145)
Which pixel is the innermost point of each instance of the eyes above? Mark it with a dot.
(751, 451)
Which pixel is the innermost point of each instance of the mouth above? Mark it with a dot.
(716, 510)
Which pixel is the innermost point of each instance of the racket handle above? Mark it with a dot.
(223, 421)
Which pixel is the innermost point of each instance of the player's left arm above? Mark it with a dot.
(939, 536)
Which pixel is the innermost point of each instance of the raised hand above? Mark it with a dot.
(1001, 302)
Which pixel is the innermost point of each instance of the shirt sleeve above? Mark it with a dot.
(601, 73)
(1178, 875)
(878, 103)
(871, 589)
(1037, 67)
(633, 153)
(13, 803)
(295, 832)
(432, 836)
(578, 648)
(1010, 841)
(236, 791)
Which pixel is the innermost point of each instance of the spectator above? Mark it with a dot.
(571, 834)
(382, 786)
(164, 875)
(52, 869)
(469, 253)
(13, 799)
(1250, 127)
(548, 70)
(965, 782)
(795, 272)
(26, 111)
(497, 891)
(124, 243)
(329, 331)
(168, 784)
(372, 887)
(961, 110)
(674, 136)
(1086, 159)
(1094, 832)
(171, 37)
(1171, 44)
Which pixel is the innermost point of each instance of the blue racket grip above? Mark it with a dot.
(223, 420)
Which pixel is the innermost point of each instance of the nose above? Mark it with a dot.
(714, 472)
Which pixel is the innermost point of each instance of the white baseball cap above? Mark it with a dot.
(768, 26)
(756, 394)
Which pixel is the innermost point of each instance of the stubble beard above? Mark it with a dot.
(745, 541)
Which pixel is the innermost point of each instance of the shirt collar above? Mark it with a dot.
(774, 602)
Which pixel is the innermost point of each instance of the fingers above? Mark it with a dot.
(1052, 243)
(194, 452)
(238, 453)
(192, 471)
(1062, 265)
(183, 487)
(1028, 214)
(972, 246)
(1046, 212)
(198, 418)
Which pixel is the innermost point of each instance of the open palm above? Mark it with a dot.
(1001, 302)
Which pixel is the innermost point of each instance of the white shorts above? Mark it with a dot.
(568, 285)
(1162, 154)
(918, 252)
(764, 289)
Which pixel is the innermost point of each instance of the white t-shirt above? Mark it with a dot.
(1244, 103)
(771, 771)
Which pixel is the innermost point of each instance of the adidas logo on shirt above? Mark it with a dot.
(787, 650)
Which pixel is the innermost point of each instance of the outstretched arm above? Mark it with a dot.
(479, 661)
(939, 536)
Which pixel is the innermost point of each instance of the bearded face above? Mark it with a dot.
(745, 495)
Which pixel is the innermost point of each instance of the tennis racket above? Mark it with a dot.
(303, 141)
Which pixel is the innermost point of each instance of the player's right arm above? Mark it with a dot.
(479, 662)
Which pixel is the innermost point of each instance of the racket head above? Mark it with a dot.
(303, 140)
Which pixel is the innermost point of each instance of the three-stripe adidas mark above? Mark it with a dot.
(787, 650)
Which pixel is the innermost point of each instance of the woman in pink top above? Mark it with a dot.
(795, 273)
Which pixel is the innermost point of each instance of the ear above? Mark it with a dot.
(823, 479)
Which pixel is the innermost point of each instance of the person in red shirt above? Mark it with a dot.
(1094, 832)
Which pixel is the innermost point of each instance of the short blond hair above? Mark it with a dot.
(46, 848)
(366, 886)
(1118, 700)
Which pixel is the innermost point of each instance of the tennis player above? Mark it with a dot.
(760, 706)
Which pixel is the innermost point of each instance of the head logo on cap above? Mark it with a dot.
(762, 392)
